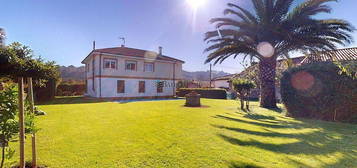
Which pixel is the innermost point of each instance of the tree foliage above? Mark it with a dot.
(285, 27)
(277, 22)
(9, 125)
(17, 60)
(322, 91)
(243, 88)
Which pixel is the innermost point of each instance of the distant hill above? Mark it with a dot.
(72, 73)
(78, 73)
(202, 75)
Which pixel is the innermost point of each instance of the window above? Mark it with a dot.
(87, 67)
(120, 86)
(159, 87)
(86, 82)
(141, 86)
(130, 65)
(110, 63)
(148, 67)
(93, 73)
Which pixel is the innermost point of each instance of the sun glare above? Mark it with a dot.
(196, 3)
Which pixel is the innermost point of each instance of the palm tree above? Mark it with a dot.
(280, 26)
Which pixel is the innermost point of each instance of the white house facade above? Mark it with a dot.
(128, 73)
(222, 82)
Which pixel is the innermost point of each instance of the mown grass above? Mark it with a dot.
(77, 133)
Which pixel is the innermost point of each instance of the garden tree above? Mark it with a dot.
(243, 88)
(9, 125)
(274, 29)
(17, 61)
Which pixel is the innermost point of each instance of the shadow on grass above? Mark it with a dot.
(278, 110)
(242, 165)
(265, 134)
(258, 116)
(259, 123)
(325, 138)
(71, 100)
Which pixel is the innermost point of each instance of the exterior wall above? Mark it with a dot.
(106, 79)
(162, 69)
(221, 83)
(109, 88)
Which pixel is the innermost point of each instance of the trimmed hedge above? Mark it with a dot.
(320, 91)
(71, 89)
(204, 92)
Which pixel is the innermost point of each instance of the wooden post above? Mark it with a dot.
(32, 107)
(21, 122)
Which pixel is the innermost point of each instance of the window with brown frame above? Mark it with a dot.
(120, 86)
(149, 67)
(86, 83)
(87, 67)
(160, 87)
(130, 65)
(110, 63)
(141, 86)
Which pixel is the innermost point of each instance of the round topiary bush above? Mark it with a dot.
(321, 91)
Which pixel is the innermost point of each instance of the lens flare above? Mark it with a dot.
(302, 81)
(265, 49)
(150, 56)
(196, 3)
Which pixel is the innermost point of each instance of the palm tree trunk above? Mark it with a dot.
(267, 72)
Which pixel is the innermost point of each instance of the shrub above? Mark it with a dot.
(321, 91)
(243, 88)
(9, 124)
(204, 92)
(71, 89)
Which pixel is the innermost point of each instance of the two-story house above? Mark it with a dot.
(128, 73)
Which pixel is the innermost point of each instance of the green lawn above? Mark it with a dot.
(166, 134)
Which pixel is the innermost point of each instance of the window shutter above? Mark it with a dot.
(141, 86)
(159, 87)
(120, 86)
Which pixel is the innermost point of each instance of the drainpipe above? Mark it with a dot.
(174, 82)
(100, 75)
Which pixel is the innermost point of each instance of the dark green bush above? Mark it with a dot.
(320, 91)
(71, 89)
(204, 92)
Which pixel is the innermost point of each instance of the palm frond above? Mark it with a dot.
(248, 14)
(275, 22)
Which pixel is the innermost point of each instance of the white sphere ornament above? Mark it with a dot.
(265, 49)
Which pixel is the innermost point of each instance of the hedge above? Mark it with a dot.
(71, 89)
(204, 92)
(320, 91)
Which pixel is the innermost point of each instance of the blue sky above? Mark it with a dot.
(63, 30)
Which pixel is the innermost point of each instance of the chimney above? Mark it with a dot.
(122, 45)
(160, 50)
(93, 45)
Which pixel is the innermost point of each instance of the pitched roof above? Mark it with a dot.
(133, 52)
(226, 77)
(346, 54)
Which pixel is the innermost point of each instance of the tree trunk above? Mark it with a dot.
(3, 157)
(32, 107)
(21, 122)
(242, 104)
(267, 72)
